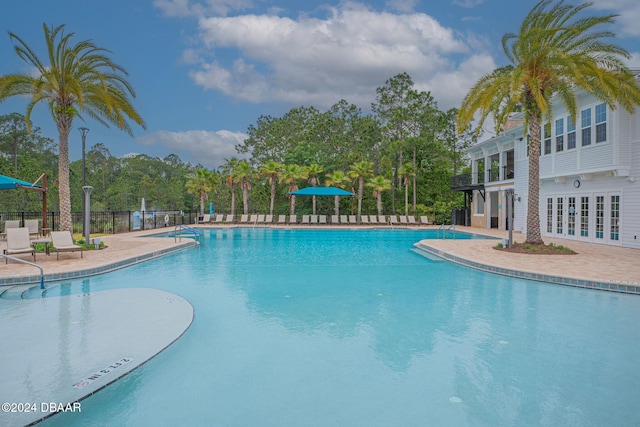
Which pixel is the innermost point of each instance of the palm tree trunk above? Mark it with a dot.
(273, 196)
(406, 199)
(379, 203)
(245, 199)
(233, 202)
(336, 204)
(533, 203)
(313, 202)
(66, 223)
(292, 205)
(360, 193)
(202, 202)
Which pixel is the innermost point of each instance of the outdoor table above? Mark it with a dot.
(45, 241)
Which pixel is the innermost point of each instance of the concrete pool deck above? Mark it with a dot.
(104, 335)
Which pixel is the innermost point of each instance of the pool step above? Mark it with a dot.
(21, 292)
(427, 255)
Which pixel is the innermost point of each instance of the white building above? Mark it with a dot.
(589, 176)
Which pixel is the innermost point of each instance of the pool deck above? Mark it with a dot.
(101, 336)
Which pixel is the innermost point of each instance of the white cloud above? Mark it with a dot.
(205, 147)
(314, 61)
(629, 15)
(402, 5)
(182, 8)
(468, 3)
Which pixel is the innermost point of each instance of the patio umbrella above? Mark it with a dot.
(8, 183)
(321, 191)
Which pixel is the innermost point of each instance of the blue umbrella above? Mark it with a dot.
(8, 183)
(211, 208)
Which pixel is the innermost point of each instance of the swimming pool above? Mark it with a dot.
(337, 327)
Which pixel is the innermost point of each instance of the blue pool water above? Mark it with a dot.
(352, 328)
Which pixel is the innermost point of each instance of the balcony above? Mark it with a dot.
(466, 182)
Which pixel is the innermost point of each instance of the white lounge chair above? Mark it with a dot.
(353, 219)
(282, 219)
(206, 218)
(229, 218)
(403, 219)
(18, 242)
(293, 219)
(314, 219)
(34, 227)
(10, 223)
(305, 219)
(411, 219)
(261, 219)
(424, 220)
(382, 219)
(322, 219)
(268, 219)
(244, 218)
(62, 241)
(373, 219)
(335, 219)
(364, 219)
(393, 219)
(220, 218)
(343, 219)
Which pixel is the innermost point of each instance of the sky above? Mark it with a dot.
(205, 70)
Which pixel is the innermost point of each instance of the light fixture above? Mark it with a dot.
(631, 179)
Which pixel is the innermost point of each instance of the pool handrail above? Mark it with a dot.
(28, 263)
(181, 227)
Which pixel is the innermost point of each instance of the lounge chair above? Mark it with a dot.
(34, 227)
(335, 219)
(343, 219)
(18, 242)
(229, 218)
(220, 218)
(364, 219)
(322, 219)
(10, 223)
(403, 219)
(206, 218)
(353, 219)
(268, 219)
(314, 219)
(305, 219)
(244, 218)
(282, 219)
(62, 241)
(382, 219)
(411, 219)
(424, 220)
(393, 219)
(373, 219)
(260, 219)
(293, 219)
(253, 219)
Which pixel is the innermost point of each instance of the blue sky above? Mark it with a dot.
(204, 70)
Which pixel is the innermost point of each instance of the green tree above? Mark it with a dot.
(361, 171)
(290, 176)
(337, 179)
(407, 172)
(243, 175)
(555, 53)
(272, 171)
(379, 184)
(229, 169)
(201, 183)
(79, 79)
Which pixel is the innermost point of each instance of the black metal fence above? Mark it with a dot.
(109, 222)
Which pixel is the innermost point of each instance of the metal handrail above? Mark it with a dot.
(180, 227)
(28, 263)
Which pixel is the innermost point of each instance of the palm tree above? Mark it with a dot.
(360, 171)
(272, 170)
(243, 174)
(379, 184)
(313, 170)
(407, 172)
(554, 54)
(200, 183)
(229, 171)
(290, 175)
(79, 80)
(337, 179)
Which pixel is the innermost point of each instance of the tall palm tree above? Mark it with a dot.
(290, 175)
(361, 171)
(79, 80)
(313, 170)
(272, 170)
(337, 179)
(200, 183)
(379, 184)
(407, 172)
(243, 174)
(229, 172)
(555, 53)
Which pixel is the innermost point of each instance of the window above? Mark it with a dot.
(599, 217)
(584, 216)
(615, 217)
(559, 135)
(560, 218)
(586, 127)
(479, 203)
(549, 214)
(571, 134)
(571, 226)
(547, 138)
(601, 123)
